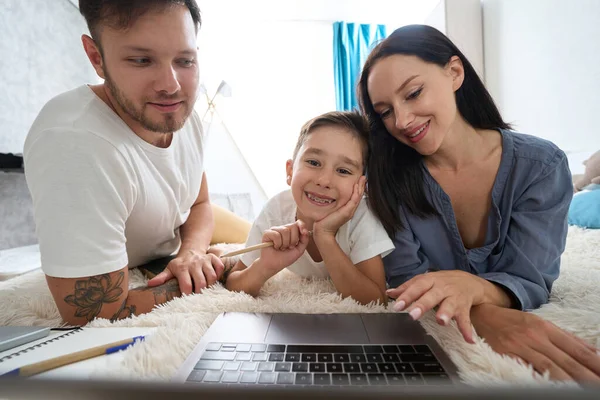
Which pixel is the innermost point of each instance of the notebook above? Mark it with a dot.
(63, 342)
(14, 336)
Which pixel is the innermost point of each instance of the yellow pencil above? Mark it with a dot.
(247, 249)
(252, 248)
(46, 365)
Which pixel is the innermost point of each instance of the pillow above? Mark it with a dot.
(584, 210)
(229, 227)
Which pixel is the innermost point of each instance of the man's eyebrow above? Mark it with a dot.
(139, 49)
(406, 82)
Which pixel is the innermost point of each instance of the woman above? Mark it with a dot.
(477, 212)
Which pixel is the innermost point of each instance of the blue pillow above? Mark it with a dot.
(584, 210)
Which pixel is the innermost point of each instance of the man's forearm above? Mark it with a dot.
(81, 300)
(142, 300)
(197, 231)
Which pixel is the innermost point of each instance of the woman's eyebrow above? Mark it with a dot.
(406, 82)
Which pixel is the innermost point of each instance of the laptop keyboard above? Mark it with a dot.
(326, 365)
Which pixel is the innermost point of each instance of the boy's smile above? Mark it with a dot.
(323, 175)
(318, 199)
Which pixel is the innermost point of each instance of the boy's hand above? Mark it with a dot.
(289, 243)
(329, 225)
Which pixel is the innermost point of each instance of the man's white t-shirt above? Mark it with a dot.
(103, 198)
(361, 238)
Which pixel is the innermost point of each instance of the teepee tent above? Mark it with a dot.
(231, 181)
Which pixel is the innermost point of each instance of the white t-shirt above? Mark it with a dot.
(361, 238)
(103, 198)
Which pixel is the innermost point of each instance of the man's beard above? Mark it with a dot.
(168, 125)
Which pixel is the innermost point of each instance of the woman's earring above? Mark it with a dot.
(289, 179)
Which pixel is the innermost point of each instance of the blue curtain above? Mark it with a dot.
(351, 46)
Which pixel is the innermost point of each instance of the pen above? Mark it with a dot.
(46, 365)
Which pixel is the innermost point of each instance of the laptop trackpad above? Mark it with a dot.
(317, 328)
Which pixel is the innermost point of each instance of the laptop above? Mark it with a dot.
(324, 350)
(28, 389)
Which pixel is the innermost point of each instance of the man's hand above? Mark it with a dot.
(289, 243)
(202, 269)
(454, 291)
(329, 225)
(542, 344)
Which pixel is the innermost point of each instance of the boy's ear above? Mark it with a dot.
(289, 169)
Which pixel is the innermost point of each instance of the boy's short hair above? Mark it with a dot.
(353, 121)
(122, 14)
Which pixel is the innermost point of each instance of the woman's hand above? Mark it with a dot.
(454, 291)
(538, 342)
(329, 225)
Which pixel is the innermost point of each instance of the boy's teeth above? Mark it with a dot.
(318, 200)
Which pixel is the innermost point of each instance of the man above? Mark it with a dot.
(115, 170)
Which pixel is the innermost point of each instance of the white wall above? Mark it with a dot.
(437, 17)
(465, 28)
(389, 12)
(542, 59)
(36, 66)
(279, 75)
(278, 58)
(461, 21)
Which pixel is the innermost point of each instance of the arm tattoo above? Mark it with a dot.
(91, 293)
(229, 265)
(124, 311)
(163, 293)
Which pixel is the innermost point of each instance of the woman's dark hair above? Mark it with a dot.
(395, 173)
(121, 14)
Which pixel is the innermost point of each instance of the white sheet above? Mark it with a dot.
(17, 261)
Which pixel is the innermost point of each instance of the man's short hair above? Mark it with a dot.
(122, 14)
(352, 121)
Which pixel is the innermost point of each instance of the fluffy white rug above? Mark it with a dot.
(181, 323)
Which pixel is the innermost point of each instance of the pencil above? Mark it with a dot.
(247, 249)
(46, 365)
(252, 248)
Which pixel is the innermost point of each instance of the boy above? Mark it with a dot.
(322, 226)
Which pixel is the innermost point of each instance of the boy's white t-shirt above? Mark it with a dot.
(103, 198)
(361, 238)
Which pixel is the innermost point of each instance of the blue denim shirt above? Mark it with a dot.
(526, 231)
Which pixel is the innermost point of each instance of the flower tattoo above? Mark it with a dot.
(90, 294)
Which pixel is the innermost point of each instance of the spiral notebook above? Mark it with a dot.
(61, 342)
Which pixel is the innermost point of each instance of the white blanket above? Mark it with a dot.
(575, 297)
